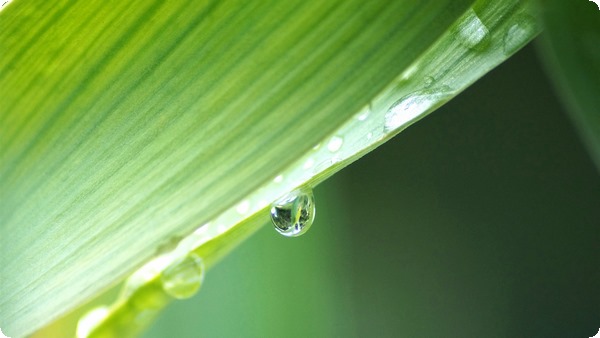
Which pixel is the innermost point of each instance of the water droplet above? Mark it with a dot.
(309, 163)
(412, 106)
(183, 278)
(369, 135)
(278, 179)
(293, 214)
(262, 204)
(243, 207)
(335, 144)
(519, 33)
(202, 229)
(428, 81)
(363, 115)
(89, 321)
(152, 298)
(472, 33)
(221, 228)
(145, 274)
(409, 72)
(317, 146)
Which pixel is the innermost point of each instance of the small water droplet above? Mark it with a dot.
(335, 144)
(317, 146)
(262, 204)
(412, 106)
(89, 321)
(409, 72)
(202, 229)
(472, 33)
(145, 274)
(369, 135)
(363, 115)
(183, 278)
(519, 33)
(222, 228)
(309, 163)
(293, 214)
(428, 81)
(278, 179)
(243, 207)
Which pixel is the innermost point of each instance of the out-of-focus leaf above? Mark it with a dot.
(571, 49)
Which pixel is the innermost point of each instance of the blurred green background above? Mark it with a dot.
(482, 220)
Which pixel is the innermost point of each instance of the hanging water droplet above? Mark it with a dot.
(89, 321)
(183, 278)
(472, 33)
(293, 214)
(412, 106)
(519, 33)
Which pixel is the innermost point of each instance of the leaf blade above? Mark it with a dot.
(87, 121)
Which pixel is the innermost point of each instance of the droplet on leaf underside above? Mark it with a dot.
(183, 278)
(293, 214)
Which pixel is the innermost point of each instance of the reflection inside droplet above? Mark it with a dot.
(293, 214)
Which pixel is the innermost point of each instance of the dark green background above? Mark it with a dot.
(482, 220)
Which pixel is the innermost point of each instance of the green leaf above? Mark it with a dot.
(571, 48)
(125, 126)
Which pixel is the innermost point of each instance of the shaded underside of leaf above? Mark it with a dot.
(571, 46)
(124, 124)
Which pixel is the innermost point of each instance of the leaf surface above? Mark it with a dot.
(127, 125)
